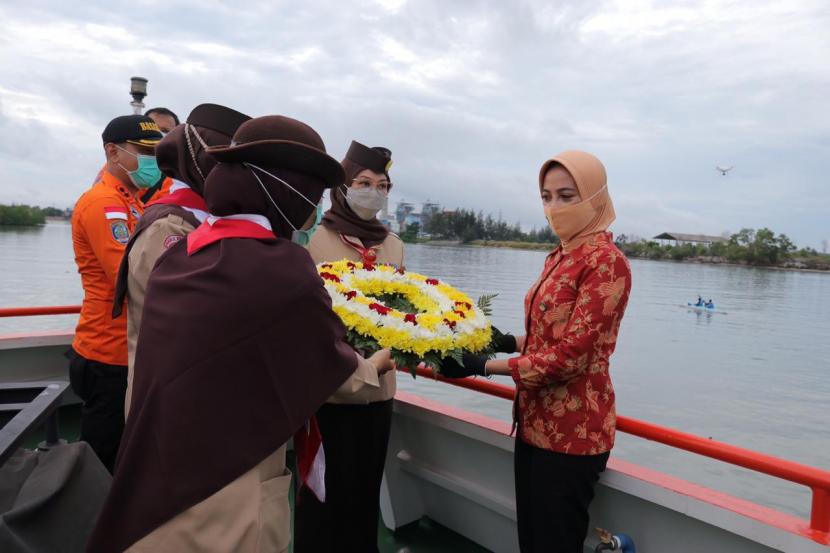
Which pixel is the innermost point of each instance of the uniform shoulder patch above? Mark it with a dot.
(120, 231)
(172, 239)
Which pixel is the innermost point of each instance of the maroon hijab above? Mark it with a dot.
(239, 347)
(207, 124)
(174, 159)
(340, 218)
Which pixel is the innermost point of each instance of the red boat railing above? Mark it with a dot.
(30, 311)
(817, 480)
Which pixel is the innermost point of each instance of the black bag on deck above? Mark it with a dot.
(49, 501)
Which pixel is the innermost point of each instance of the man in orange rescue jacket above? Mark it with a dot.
(102, 222)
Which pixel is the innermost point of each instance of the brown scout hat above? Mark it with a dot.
(377, 158)
(217, 118)
(276, 140)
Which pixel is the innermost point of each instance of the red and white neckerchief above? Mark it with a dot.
(184, 196)
(242, 225)
(367, 255)
(311, 459)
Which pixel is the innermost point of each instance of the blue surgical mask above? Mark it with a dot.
(298, 236)
(146, 174)
(303, 237)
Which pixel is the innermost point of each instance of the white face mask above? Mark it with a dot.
(366, 202)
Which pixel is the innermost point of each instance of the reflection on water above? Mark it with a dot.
(756, 376)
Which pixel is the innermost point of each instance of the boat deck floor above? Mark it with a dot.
(423, 536)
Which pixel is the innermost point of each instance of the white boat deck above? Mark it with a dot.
(456, 468)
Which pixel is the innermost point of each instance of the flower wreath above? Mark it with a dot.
(417, 317)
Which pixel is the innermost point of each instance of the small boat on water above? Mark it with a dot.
(450, 468)
(705, 308)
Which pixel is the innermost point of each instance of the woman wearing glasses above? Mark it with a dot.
(355, 422)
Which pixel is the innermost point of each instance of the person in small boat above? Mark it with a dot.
(238, 348)
(710, 304)
(102, 221)
(565, 408)
(355, 422)
(699, 301)
(182, 155)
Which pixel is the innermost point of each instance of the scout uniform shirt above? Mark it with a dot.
(102, 222)
(173, 217)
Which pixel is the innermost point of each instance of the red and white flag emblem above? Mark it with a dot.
(115, 212)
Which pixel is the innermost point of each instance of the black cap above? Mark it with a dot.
(217, 118)
(135, 129)
(377, 158)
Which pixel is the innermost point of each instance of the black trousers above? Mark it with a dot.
(355, 438)
(102, 388)
(553, 492)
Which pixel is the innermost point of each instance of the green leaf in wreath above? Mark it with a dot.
(397, 301)
(457, 356)
(485, 303)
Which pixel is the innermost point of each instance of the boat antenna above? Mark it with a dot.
(138, 90)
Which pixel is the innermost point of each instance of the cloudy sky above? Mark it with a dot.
(471, 96)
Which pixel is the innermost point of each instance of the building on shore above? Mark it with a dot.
(428, 210)
(679, 238)
(406, 214)
(387, 220)
(402, 211)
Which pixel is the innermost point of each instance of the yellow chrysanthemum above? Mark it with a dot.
(446, 318)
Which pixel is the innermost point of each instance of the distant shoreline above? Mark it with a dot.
(696, 261)
(531, 246)
(491, 244)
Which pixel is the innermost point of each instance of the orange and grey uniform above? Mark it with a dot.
(102, 223)
(157, 193)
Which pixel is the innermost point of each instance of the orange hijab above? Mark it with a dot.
(576, 223)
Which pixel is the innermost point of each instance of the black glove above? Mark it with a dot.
(473, 364)
(503, 343)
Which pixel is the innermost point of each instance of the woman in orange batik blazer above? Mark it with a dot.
(564, 409)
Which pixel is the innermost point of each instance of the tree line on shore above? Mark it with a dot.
(26, 215)
(761, 247)
(748, 246)
(467, 226)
